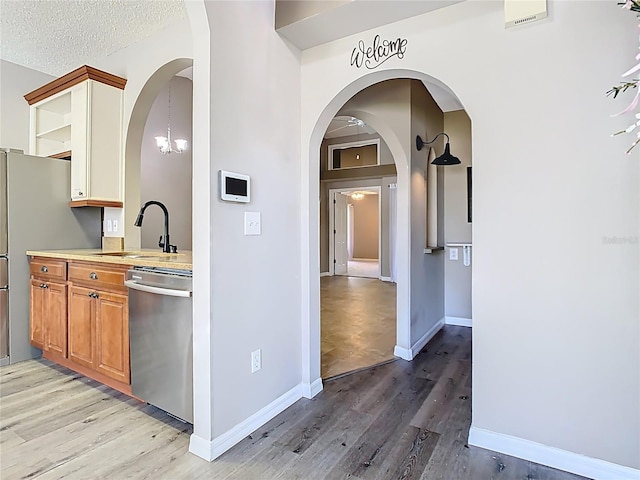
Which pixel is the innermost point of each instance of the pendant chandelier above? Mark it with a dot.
(164, 143)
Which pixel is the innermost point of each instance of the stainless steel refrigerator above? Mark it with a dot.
(34, 215)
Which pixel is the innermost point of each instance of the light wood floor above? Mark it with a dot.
(402, 420)
(363, 268)
(357, 323)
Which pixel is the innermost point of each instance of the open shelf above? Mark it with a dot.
(60, 105)
(58, 134)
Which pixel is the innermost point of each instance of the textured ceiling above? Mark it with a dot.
(57, 36)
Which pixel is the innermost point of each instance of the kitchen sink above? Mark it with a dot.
(136, 254)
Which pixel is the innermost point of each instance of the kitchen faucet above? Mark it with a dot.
(164, 239)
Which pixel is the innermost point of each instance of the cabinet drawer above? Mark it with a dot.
(48, 268)
(97, 276)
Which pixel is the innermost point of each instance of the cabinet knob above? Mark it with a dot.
(80, 194)
(93, 276)
(44, 285)
(44, 269)
(93, 295)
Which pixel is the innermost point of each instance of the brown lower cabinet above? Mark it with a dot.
(80, 318)
(49, 316)
(99, 331)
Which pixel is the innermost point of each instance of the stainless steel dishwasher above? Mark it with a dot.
(161, 339)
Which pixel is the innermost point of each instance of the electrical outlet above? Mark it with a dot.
(113, 218)
(453, 254)
(256, 361)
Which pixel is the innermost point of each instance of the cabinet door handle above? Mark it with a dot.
(93, 276)
(93, 295)
(44, 285)
(44, 269)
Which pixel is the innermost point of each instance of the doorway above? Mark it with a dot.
(355, 231)
(419, 271)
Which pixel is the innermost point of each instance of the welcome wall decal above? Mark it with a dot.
(378, 52)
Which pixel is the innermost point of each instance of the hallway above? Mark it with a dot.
(403, 420)
(358, 323)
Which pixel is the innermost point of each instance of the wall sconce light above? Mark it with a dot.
(164, 143)
(446, 158)
(357, 195)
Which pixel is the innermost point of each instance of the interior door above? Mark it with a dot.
(340, 234)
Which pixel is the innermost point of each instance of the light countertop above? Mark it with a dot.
(145, 257)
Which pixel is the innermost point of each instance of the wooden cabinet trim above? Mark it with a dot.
(81, 326)
(95, 203)
(36, 314)
(112, 336)
(73, 78)
(48, 268)
(62, 155)
(55, 329)
(48, 318)
(98, 276)
(89, 372)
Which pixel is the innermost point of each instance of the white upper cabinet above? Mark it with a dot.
(80, 115)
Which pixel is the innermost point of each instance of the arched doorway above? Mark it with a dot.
(406, 345)
(133, 146)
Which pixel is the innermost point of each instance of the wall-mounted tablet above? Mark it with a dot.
(235, 187)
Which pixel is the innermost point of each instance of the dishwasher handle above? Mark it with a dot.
(158, 290)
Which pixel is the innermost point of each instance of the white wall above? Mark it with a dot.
(255, 280)
(167, 178)
(15, 82)
(555, 304)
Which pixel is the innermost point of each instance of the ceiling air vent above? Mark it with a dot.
(519, 12)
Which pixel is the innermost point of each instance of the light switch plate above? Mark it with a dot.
(453, 254)
(113, 222)
(252, 223)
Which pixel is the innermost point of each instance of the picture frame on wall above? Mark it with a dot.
(469, 194)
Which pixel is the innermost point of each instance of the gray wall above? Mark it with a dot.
(427, 270)
(15, 81)
(255, 280)
(457, 292)
(365, 220)
(383, 183)
(167, 178)
(385, 154)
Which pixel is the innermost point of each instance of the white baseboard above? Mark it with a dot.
(210, 450)
(325, 274)
(310, 390)
(385, 279)
(403, 353)
(409, 354)
(419, 345)
(551, 456)
(200, 447)
(458, 321)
